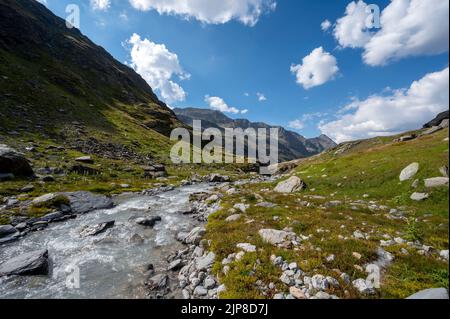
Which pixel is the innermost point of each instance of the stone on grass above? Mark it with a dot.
(233, 218)
(247, 247)
(276, 237)
(291, 185)
(409, 172)
(436, 182)
(419, 196)
(297, 293)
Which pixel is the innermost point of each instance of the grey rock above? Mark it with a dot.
(205, 262)
(291, 185)
(363, 286)
(185, 293)
(419, 196)
(436, 182)
(158, 282)
(409, 172)
(247, 247)
(96, 229)
(6, 230)
(285, 279)
(175, 265)
(435, 293)
(276, 237)
(209, 283)
(32, 263)
(199, 291)
(85, 202)
(195, 236)
(233, 218)
(319, 282)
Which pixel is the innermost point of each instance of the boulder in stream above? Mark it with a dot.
(32, 263)
(148, 222)
(96, 229)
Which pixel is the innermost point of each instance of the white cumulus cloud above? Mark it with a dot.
(218, 104)
(325, 25)
(316, 69)
(402, 110)
(157, 65)
(210, 11)
(102, 5)
(261, 97)
(351, 30)
(408, 28)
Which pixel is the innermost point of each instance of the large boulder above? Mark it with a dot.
(195, 236)
(12, 162)
(276, 237)
(434, 293)
(205, 262)
(32, 263)
(419, 196)
(85, 202)
(96, 229)
(291, 185)
(409, 172)
(436, 182)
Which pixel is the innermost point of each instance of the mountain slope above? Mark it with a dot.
(291, 145)
(355, 211)
(57, 84)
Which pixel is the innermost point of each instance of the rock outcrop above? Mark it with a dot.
(12, 162)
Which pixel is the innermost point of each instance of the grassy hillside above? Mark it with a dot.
(354, 187)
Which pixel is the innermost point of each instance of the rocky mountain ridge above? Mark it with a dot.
(291, 145)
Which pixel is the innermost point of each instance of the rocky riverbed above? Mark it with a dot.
(129, 250)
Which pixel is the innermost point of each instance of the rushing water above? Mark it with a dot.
(112, 264)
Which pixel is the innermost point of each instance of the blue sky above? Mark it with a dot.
(226, 63)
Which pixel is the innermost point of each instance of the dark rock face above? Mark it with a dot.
(291, 145)
(33, 263)
(438, 120)
(12, 162)
(30, 33)
(85, 202)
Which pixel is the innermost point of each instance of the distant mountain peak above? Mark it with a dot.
(291, 144)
